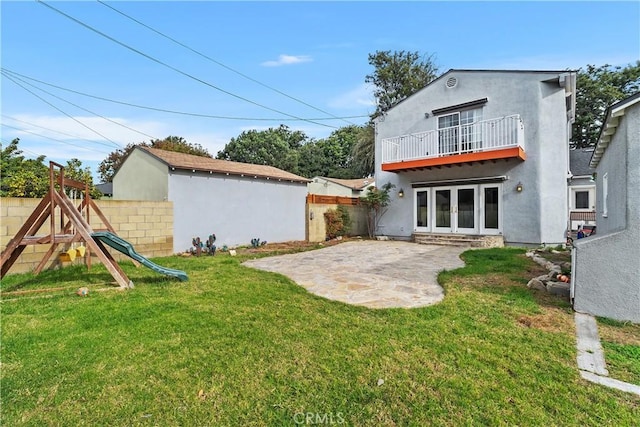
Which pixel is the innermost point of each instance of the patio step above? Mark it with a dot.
(466, 240)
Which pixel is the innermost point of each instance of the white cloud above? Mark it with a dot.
(287, 60)
(356, 98)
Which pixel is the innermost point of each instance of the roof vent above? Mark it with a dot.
(452, 82)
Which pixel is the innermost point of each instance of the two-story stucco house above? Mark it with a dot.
(606, 267)
(235, 201)
(480, 153)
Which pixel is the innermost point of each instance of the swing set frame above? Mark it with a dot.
(72, 226)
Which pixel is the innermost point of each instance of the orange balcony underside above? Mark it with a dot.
(482, 156)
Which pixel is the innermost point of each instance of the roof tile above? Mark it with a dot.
(192, 162)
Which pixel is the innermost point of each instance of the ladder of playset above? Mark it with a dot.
(75, 229)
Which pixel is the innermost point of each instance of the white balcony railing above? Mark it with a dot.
(486, 135)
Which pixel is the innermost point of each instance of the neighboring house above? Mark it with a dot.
(582, 189)
(480, 152)
(606, 267)
(106, 188)
(340, 187)
(236, 201)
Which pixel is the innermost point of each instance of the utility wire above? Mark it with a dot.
(177, 70)
(88, 111)
(49, 129)
(66, 114)
(21, 149)
(53, 139)
(163, 110)
(219, 63)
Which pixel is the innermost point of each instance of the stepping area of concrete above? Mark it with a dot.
(374, 274)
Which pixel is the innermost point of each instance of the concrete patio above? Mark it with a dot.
(374, 274)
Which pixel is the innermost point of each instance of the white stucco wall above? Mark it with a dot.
(325, 187)
(536, 215)
(236, 209)
(141, 177)
(607, 266)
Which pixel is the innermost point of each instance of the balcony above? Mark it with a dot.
(487, 140)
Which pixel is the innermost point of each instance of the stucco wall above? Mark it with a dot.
(141, 177)
(147, 225)
(538, 214)
(316, 226)
(328, 188)
(236, 209)
(607, 266)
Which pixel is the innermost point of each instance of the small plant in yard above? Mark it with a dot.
(376, 200)
(337, 222)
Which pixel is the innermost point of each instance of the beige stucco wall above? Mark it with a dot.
(316, 227)
(147, 225)
(141, 177)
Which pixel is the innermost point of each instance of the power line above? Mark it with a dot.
(68, 115)
(21, 149)
(177, 70)
(218, 62)
(50, 130)
(163, 110)
(88, 111)
(53, 139)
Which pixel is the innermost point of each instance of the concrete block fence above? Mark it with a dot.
(147, 225)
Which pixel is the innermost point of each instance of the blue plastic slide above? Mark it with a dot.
(126, 248)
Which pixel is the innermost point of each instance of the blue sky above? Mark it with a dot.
(260, 64)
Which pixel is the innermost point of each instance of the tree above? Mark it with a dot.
(274, 147)
(30, 177)
(22, 177)
(332, 156)
(376, 200)
(363, 151)
(108, 167)
(596, 89)
(74, 170)
(397, 75)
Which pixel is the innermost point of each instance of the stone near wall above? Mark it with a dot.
(536, 283)
(382, 237)
(559, 288)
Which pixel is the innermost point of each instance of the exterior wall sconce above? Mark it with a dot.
(311, 215)
(401, 193)
(426, 115)
(593, 177)
(519, 187)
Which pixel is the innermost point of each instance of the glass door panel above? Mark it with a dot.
(491, 207)
(466, 215)
(491, 221)
(422, 210)
(443, 210)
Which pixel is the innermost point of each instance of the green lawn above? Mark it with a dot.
(235, 346)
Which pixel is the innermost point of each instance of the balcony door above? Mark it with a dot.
(460, 132)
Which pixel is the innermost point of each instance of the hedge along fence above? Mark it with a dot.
(316, 230)
(147, 225)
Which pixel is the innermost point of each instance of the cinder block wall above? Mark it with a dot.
(316, 227)
(147, 225)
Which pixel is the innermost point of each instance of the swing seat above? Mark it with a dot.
(72, 254)
(80, 251)
(64, 257)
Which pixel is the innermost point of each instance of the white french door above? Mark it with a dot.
(464, 209)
